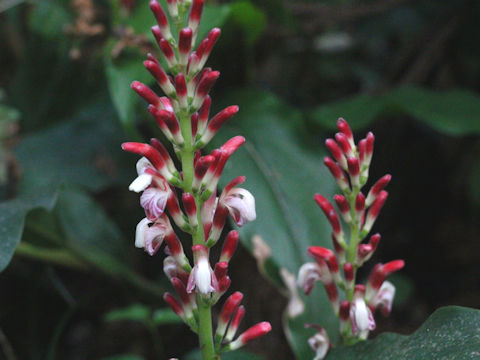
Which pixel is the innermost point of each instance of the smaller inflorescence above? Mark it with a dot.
(336, 269)
(189, 196)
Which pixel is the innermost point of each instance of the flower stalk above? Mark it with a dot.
(188, 195)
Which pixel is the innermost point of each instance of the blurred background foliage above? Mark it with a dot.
(76, 288)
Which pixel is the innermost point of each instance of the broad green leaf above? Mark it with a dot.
(120, 74)
(12, 218)
(68, 153)
(251, 19)
(124, 357)
(165, 316)
(235, 355)
(49, 18)
(283, 173)
(450, 333)
(136, 312)
(89, 231)
(213, 16)
(453, 112)
(48, 159)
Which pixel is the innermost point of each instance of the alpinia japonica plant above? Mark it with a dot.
(183, 117)
(355, 309)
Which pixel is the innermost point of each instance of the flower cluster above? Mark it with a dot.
(190, 196)
(350, 167)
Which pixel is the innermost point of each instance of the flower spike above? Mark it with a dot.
(350, 169)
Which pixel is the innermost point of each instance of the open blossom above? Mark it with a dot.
(311, 272)
(149, 235)
(155, 189)
(241, 205)
(202, 277)
(361, 317)
(383, 300)
(154, 201)
(143, 180)
(320, 343)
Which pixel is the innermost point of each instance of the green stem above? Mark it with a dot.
(49, 255)
(205, 333)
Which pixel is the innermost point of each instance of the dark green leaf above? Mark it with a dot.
(454, 112)
(283, 174)
(136, 312)
(124, 357)
(213, 16)
(90, 232)
(120, 74)
(165, 316)
(49, 18)
(235, 355)
(450, 333)
(68, 153)
(12, 218)
(251, 19)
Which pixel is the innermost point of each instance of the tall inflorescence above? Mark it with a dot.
(189, 196)
(355, 304)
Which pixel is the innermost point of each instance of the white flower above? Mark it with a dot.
(143, 164)
(149, 237)
(295, 305)
(143, 180)
(320, 343)
(154, 201)
(240, 204)
(361, 317)
(202, 277)
(311, 272)
(384, 298)
(141, 183)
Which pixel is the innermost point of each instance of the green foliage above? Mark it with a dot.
(49, 19)
(450, 333)
(251, 19)
(124, 357)
(12, 218)
(234, 355)
(120, 74)
(453, 112)
(143, 314)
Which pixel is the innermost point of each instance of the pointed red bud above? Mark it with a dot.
(221, 269)
(203, 87)
(145, 150)
(377, 187)
(370, 143)
(230, 306)
(252, 333)
(360, 202)
(229, 246)
(345, 129)
(173, 303)
(196, 11)
(145, 92)
(342, 140)
(353, 166)
(337, 173)
(185, 41)
(190, 208)
(327, 255)
(336, 152)
(348, 272)
(344, 313)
